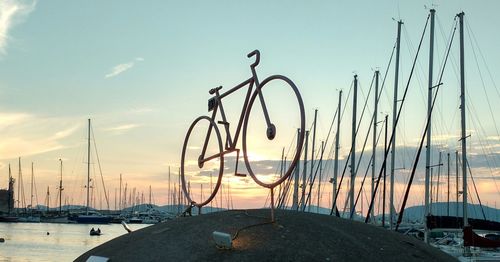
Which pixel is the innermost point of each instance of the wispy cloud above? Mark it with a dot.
(9, 119)
(26, 134)
(122, 128)
(11, 12)
(118, 69)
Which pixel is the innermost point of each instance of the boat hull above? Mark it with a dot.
(93, 219)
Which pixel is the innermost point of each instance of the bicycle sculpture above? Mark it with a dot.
(229, 146)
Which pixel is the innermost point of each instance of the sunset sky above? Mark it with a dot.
(142, 70)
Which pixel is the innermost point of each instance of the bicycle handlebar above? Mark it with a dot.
(213, 90)
(257, 59)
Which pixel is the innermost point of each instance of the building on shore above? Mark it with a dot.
(7, 198)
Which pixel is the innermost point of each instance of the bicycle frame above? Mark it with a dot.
(215, 103)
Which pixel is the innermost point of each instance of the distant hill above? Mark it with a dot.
(416, 213)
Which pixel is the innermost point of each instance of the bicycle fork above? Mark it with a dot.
(271, 128)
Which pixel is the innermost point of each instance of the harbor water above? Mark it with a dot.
(53, 242)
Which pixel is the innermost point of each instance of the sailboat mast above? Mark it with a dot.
(320, 175)
(336, 163)
(353, 147)
(31, 188)
(462, 111)
(169, 202)
(429, 114)
(394, 116)
(374, 148)
(385, 171)
(438, 180)
(60, 188)
(88, 171)
(19, 186)
(295, 200)
(10, 194)
(304, 178)
(448, 191)
(313, 146)
(120, 202)
(456, 183)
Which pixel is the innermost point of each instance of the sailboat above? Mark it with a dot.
(470, 239)
(469, 236)
(91, 217)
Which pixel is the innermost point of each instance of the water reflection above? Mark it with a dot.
(65, 242)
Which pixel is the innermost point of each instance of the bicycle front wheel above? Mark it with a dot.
(271, 151)
(202, 162)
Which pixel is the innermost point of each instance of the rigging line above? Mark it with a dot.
(483, 148)
(411, 53)
(475, 189)
(482, 56)
(100, 170)
(311, 180)
(366, 173)
(350, 151)
(415, 163)
(284, 192)
(439, 111)
(386, 153)
(308, 199)
(36, 192)
(378, 99)
(332, 148)
(279, 167)
(480, 130)
(285, 196)
(483, 85)
(302, 150)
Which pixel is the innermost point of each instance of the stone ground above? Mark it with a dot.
(295, 236)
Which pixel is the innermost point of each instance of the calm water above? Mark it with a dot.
(30, 242)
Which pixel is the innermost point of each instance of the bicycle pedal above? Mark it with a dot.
(223, 122)
(240, 174)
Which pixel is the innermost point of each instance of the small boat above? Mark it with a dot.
(94, 232)
(10, 219)
(134, 220)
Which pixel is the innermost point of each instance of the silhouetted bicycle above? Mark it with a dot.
(201, 154)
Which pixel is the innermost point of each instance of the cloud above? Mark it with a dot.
(11, 12)
(26, 134)
(122, 128)
(118, 69)
(9, 119)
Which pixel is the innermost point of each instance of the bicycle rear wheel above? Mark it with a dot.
(198, 173)
(264, 153)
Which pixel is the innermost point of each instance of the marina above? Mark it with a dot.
(382, 140)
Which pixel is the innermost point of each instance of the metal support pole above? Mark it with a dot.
(374, 148)
(429, 118)
(394, 116)
(336, 161)
(304, 176)
(353, 147)
(295, 204)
